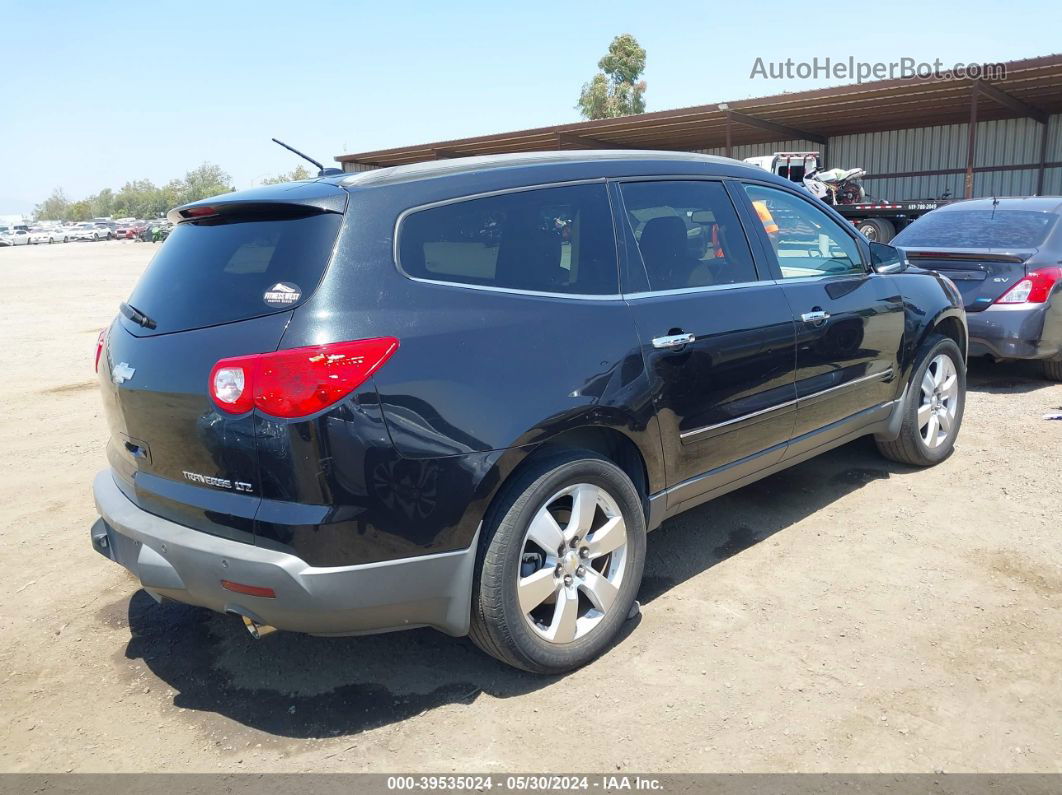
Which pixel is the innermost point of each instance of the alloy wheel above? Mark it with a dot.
(573, 562)
(939, 401)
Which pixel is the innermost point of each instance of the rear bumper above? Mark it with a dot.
(1016, 332)
(187, 565)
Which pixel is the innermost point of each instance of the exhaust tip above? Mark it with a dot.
(258, 631)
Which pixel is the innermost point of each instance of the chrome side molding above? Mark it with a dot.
(882, 376)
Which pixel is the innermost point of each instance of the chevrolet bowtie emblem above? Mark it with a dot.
(122, 372)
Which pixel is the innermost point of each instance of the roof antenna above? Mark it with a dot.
(995, 204)
(321, 170)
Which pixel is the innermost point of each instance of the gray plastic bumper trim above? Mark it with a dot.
(187, 565)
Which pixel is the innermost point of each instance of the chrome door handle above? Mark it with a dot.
(815, 317)
(673, 341)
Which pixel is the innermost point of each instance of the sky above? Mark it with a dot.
(100, 93)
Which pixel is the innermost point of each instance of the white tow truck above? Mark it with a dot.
(878, 219)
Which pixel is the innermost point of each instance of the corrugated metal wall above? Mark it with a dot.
(904, 150)
(999, 143)
(755, 150)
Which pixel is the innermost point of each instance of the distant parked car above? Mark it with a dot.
(129, 230)
(1004, 256)
(14, 236)
(47, 234)
(89, 230)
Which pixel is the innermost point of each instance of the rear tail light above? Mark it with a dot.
(299, 381)
(1034, 288)
(100, 342)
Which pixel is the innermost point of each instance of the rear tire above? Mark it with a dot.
(547, 613)
(1053, 369)
(880, 230)
(934, 407)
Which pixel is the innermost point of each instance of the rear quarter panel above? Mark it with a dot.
(929, 300)
(480, 378)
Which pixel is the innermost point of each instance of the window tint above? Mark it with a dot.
(554, 240)
(688, 234)
(978, 229)
(220, 270)
(806, 241)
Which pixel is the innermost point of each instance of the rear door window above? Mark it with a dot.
(984, 229)
(217, 271)
(549, 240)
(688, 234)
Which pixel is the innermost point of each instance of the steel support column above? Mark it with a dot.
(1043, 159)
(971, 142)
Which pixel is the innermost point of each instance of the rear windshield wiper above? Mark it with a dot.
(136, 316)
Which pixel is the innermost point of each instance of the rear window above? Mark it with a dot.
(221, 270)
(553, 240)
(984, 229)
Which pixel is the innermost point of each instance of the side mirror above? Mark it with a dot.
(887, 259)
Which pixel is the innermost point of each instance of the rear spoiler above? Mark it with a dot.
(967, 255)
(292, 198)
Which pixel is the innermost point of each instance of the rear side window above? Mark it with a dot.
(978, 229)
(552, 240)
(688, 234)
(220, 270)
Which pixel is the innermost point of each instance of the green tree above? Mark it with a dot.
(616, 90)
(199, 183)
(300, 172)
(140, 198)
(54, 208)
(79, 211)
(102, 204)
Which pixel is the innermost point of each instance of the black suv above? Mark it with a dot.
(458, 394)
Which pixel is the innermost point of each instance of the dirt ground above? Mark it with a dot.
(846, 615)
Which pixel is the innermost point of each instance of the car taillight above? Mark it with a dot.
(299, 381)
(100, 342)
(1034, 288)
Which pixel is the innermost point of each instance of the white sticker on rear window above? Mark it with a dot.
(282, 294)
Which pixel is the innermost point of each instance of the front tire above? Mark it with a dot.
(560, 564)
(1053, 369)
(936, 399)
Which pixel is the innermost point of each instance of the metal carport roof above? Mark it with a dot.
(1031, 87)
